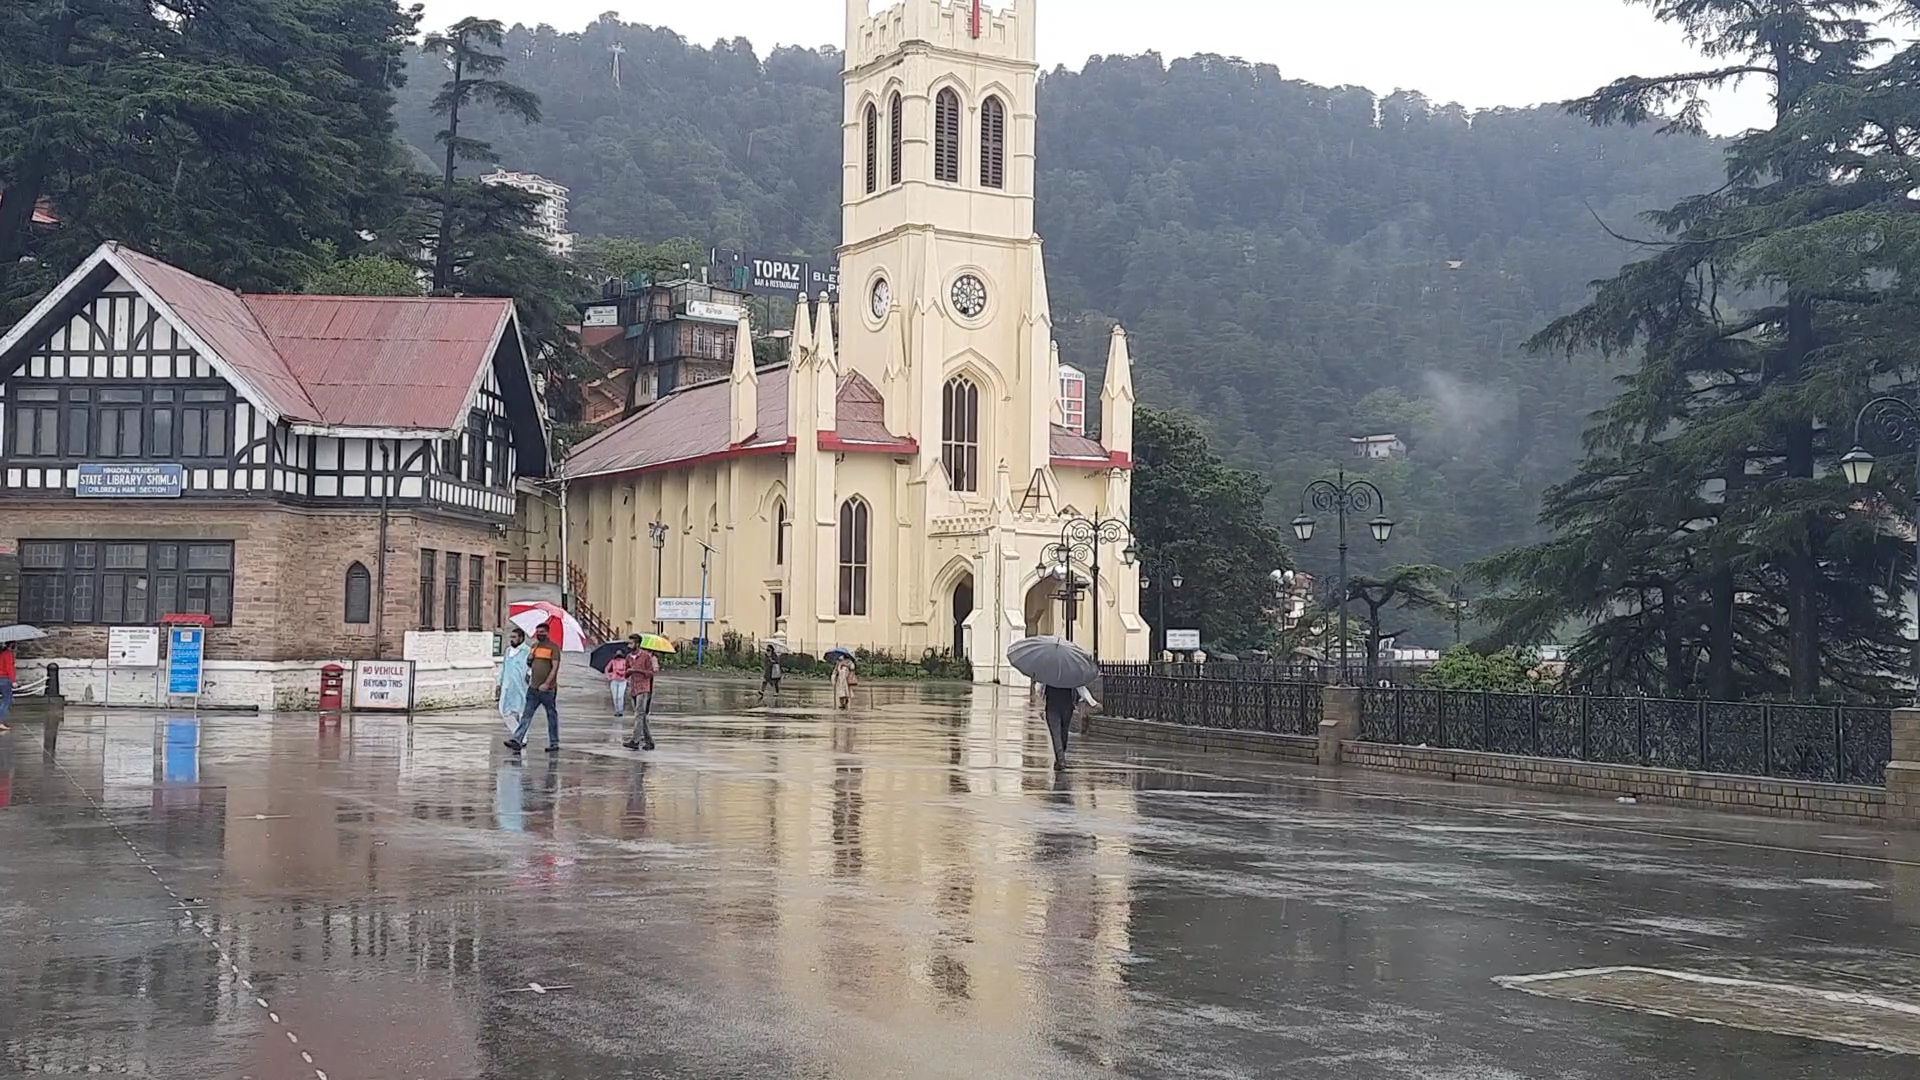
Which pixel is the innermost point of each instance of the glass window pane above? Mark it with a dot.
(166, 557)
(130, 432)
(205, 395)
(162, 396)
(84, 556)
(83, 598)
(210, 557)
(42, 554)
(196, 590)
(166, 595)
(126, 556)
(220, 604)
(122, 397)
(49, 433)
(217, 433)
(137, 598)
(37, 393)
(162, 434)
(190, 436)
(77, 432)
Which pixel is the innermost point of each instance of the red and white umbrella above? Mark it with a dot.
(560, 623)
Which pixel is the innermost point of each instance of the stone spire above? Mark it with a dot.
(746, 385)
(802, 341)
(1116, 398)
(826, 370)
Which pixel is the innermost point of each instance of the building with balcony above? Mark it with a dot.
(550, 219)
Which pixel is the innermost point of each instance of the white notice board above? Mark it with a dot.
(133, 647)
(382, 686)
(1183, 640)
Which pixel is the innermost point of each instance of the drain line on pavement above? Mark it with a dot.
(197, 921)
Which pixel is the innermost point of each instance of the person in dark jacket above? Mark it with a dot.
(1060, 703)
(770, 673)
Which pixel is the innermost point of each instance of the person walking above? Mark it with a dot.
(770, 673)
(9, 673)
(1061, 703)
(513, 678)
(617, 683)
(844, 680)
(543, 675)
(642, 666)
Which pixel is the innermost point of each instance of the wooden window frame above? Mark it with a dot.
(359, 595)
(94, 582)
(856, 551)
(993, 143)
(947, 122)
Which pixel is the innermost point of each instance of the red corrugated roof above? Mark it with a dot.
(388, 362)
(696, 422)
(344, 361)
(222, 319)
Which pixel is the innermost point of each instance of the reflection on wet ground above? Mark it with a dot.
(902, 890)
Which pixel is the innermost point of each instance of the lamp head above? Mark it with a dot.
(1857, 465)
(1382, 528)
(1303, 528)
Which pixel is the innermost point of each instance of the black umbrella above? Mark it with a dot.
(604, 655)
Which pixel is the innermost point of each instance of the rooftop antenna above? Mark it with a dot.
(616, 49)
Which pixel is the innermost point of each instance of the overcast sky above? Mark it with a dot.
(1477, 52)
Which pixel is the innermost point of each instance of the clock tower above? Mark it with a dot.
(946, 307)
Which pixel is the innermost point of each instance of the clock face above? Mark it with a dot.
(882, 298)
(969, 296)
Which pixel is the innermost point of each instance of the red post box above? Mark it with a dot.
(333, 679)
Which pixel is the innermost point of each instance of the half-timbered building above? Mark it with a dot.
(168, 445)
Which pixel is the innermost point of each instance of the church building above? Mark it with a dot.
(906, 480)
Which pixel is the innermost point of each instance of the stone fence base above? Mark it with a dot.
(1297, 748)
(1740, 794)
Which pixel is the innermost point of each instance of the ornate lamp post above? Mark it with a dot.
(1457, 607)
(1083, 538)
(1342, 498)
(1898, 420)
(658, 531)
(1162, 575)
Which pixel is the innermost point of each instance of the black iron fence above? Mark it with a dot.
(1320, 674)
(1248, 701)
(1836, 743)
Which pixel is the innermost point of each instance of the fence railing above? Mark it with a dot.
(1835, 743)
(1320, 674)
(1214, 700)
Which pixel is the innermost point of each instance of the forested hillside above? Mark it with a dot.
(1298, 264)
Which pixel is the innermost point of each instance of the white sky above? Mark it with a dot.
(1477, 52)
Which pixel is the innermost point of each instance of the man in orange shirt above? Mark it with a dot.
(543, 682)
(641, 668)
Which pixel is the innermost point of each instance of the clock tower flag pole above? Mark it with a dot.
(976, 19)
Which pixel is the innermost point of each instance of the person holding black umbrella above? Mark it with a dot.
(1063, 669)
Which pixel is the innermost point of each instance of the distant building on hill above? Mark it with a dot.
(551, 218)
(653, 338)
(1378, 447)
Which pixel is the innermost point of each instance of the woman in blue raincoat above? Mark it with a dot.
(514, 677)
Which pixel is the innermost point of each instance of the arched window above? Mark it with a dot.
(960, 433)
(780, 532)
(946, 137)
(853, 556)
(993, 144)
(873, 147)
(359, 595)
(897, 122)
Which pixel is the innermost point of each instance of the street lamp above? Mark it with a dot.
(1342, 498)
(1899, 421)
(1166, 573)
(658, 531)
(1457, 606)
(1083, 538)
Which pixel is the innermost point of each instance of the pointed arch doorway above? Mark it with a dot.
(962, 608)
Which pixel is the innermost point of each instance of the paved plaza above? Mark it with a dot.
(905, 890)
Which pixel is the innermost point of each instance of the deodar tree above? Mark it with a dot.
(1706, 543)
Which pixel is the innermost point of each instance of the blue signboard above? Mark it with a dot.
(131, 481)
(185, 646)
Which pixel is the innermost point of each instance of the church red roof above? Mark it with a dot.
(695, 423)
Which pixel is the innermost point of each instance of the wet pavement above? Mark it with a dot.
(905, 890)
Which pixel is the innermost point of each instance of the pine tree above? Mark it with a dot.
(465, 47)
(1707, 540)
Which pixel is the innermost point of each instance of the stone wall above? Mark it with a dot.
(290, 568)
(9, 585)
(1740, 794)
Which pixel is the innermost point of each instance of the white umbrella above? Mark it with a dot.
(1051, 662)
(529, 615)
(11, 634)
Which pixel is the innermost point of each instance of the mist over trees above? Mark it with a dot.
(1297, 264)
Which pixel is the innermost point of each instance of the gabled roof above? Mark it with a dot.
(332, 362)
(695, 423)
(1067, 445)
